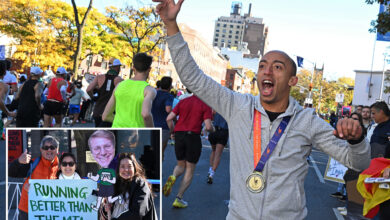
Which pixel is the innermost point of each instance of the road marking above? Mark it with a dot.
(337, 214)
(317, 170)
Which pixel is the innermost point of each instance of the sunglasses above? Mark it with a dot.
(64, 164)
(49, 147)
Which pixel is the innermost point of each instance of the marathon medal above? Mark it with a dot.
(255, 182)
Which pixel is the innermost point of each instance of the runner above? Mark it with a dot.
(55, 99)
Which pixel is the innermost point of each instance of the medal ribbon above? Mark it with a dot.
(271, 145)
(256, 138)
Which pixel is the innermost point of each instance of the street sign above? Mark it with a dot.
(340, 97)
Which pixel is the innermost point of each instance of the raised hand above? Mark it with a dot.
(24, 158)
(348, 129)
(168, 10)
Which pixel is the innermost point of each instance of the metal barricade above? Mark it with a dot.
(15, 196)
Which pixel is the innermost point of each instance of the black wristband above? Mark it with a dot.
(352, 142)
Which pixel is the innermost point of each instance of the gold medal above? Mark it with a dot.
(255, 182)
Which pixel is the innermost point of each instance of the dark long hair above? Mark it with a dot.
(65, 154)
(122, 186)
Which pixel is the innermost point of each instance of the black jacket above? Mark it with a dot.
(141, 204)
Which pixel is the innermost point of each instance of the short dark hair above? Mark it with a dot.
(381, 106)
(158, 84)
(166, 82)
(142, 62)
(366, 106)
(9, 64)
(3, 67)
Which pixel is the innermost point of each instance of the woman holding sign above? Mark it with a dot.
(136, 196)
(67, 167)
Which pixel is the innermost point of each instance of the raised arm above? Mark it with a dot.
(212, 93)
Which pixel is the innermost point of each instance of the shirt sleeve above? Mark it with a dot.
(169, 101)
(208, 113)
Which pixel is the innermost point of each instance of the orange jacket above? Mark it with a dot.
(44, 170)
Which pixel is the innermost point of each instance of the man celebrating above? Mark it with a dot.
(132, 99)
(270, 135)
(104, 84)
(44, 167)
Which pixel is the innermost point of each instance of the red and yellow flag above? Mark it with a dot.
(372, 194)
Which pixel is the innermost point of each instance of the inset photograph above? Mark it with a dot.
(83, 174)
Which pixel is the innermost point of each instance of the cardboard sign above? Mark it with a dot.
(61, 200)
(335, 171)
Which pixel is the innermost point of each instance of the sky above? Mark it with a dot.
(333, 32)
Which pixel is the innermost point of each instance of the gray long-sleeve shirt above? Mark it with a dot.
(283, 196)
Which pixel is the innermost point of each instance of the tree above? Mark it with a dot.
(46, 32)
(39, 27)
(80, 31)
(142, 29)
(328, 93)
(382, 23)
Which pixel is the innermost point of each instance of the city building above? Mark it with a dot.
(237, 31)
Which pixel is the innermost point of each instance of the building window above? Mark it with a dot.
(231, 76)
(217, 30)
(231, 26)
(229, 41)
(238, 26)
(218, 25)
(236, 37)
(215, 44)
(224, 31)
(216, 39)
(224, 25)
(230, 31)
(223, 40)
(230, 36)
(217, 35)
(221, 44)
(236, 42)
(237, 32)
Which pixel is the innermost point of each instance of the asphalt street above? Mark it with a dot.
(207, 201)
